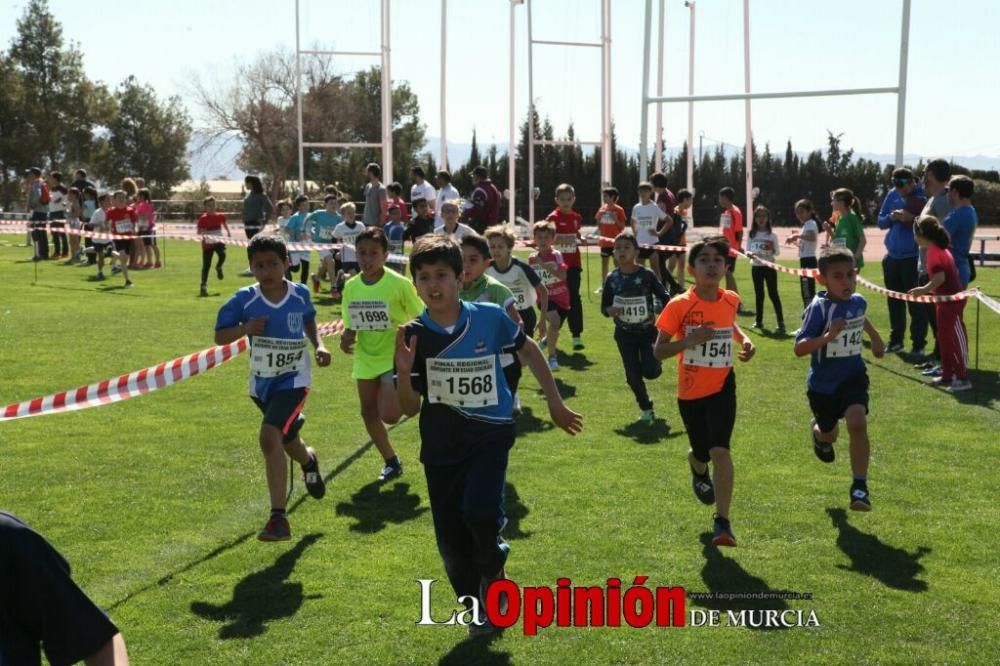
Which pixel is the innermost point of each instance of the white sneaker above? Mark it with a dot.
(599, 290)
(959, 385)
(647, 416)
(553, 363)
(517, 405)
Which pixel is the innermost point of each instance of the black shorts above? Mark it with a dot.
(607, 251)
(529, 319)
(123, 244)
(349, 267)
(730, 263)
(829, 408)
(103, 248)
(284, 411)
(709, 421)
(149, 241)
(562, 313)
(646, 252)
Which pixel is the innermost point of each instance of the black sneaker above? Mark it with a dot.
(391, 471)
(218, 272)
(312, 476)
(723, 533)
(860, 501)
(203, 292)
(823, 450)
(703, 488)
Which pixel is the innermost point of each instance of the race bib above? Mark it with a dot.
(726, 221)
(760, 246)
(462, 382)
(646, 224)
(520, 298)
(143, 225)
(839, 242)
(635, 309)
(609, 218)
(715, 353)
(848, 341)
(123, 227)
(270, 357)
(566, 243)
(325, 234)
(369, 315)
(396, 247)
(545, 275)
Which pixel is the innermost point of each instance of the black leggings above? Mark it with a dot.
(808, 285)
(530, 320)
(303, 270)
(636, 348)
(575, 304)
(763, 275)
(206, 260)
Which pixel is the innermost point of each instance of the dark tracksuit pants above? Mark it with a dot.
(467, 508)
(762, 275)
(39, 234)
(807, 284)
(206, 259)
(901, 275)
(636, 348)
(575, 304)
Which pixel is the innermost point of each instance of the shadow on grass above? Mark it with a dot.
(772, 335)
(575, 361)
(527, 422)
(891, 566)
(985, 386)
(261, 597)
(233, 543)
(724, 577)
(567, 391)
(515, 510)
(648, 433)
(476, 650)
(374, 509)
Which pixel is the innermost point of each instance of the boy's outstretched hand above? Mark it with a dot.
(566, 418)
(406, 350)
(747, 352)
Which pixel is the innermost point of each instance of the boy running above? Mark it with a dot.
(567, 224)
(122, 221)
(610, 218)
(376, 302)
(838, 381)
(519, 277)
(632, 295)
(700, 326)
(322, 224)
(278, 317)
(209, 224)
(551, 269)
(448, 365)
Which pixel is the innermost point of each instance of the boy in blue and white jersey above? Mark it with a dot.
(321, 225)
(278, 316)
(448, 370)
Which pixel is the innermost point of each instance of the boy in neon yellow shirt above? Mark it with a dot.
(375, 303)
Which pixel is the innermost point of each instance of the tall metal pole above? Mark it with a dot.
(904, 48)
(690, 144)
(298, 101)
(512, 135)
(444, 83)
(658, 150)
(644, 107)
(606, 147)
(531, 122)
(749, 130)
(386, 98)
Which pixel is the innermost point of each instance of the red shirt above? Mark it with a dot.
(941, 261)
(611, 222)
(210, 223)
(404, 208)
(731, 223)
(558, 290)
(122, 220)
(567, 227)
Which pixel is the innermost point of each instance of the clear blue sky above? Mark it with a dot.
(952, 100)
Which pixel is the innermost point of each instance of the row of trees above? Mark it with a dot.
(56, 118)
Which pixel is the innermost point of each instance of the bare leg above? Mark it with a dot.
(274, 465)
(723, 473)
(368, 390)
(857, 427)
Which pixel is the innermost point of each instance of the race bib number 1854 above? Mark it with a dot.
(270, 357)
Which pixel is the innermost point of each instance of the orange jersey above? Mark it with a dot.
(611, 222)
(696, 378)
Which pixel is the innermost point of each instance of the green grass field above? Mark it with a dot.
(156, 501)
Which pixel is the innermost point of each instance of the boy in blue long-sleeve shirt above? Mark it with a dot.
(900, 209)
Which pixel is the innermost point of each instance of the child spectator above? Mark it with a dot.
(346, 233)
(731, 226)
(147, 228)
(806, 238)
(763, 244)
(450, 211)
(57, 215)
(646, 217)
(394, 192)
(322, 224)
(297, 231)
(394, 231)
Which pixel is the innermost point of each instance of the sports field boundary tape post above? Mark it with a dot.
(139, 382)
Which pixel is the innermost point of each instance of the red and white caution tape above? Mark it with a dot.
(139, 382)
(647, 246)
(898, 295)
(991, 303)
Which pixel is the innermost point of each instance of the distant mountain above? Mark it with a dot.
(218, 158)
